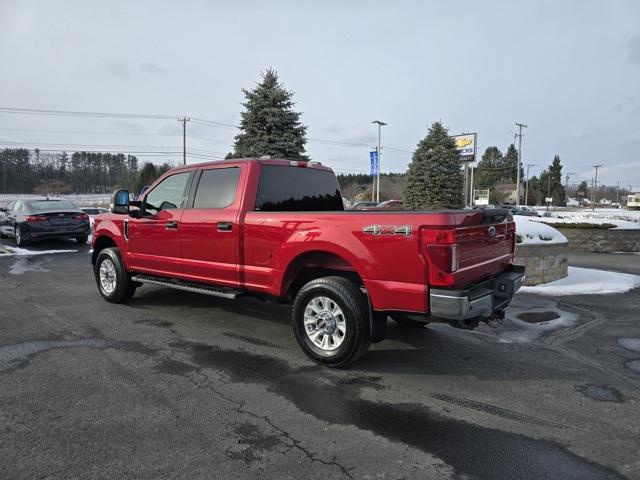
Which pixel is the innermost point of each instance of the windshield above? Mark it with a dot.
(41, 205)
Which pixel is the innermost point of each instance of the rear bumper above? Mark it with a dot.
(480, 301)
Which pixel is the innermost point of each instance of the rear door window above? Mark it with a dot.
(297, 189)
(217, 188)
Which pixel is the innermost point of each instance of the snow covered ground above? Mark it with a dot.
(531, 232)
(624, 219)
(80, 200)
(582, 281)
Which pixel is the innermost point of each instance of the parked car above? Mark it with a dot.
(93, 212)
(363, 205)
(390, 205)
(29, 220)
(278, 229)
(520, 210)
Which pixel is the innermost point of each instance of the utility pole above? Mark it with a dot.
(379, 149)
(618, 194)
(595, 186)
(471, 188)
(184, 121)
(520, 127)
(526, 186)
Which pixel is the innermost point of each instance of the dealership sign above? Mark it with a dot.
(466, 146)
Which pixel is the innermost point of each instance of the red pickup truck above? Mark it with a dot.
(278, 228)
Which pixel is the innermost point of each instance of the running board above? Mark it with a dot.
(188, 286)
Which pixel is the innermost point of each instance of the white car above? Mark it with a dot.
(93, 212)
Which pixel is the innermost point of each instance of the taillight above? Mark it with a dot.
(35, 218)
(442, 253)
(81, 216)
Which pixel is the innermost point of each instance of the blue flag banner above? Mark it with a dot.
(373, 158)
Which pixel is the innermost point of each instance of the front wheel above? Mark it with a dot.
(114, 283)
(82, 239)
(329, 319)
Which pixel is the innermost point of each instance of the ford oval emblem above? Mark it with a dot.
(492, 231)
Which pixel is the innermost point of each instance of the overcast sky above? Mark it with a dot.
(568, 69)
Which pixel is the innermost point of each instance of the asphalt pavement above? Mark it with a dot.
(179, 385)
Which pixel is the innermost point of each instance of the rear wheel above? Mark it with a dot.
(408, 320)
(22, 236)
(329, 320)
(114, 282)
(82, 239)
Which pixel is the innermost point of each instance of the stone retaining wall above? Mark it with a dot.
(601, 240)
(543, 263)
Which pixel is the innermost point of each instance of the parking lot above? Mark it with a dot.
(178, 385)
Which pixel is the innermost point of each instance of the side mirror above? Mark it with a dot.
(120, 202)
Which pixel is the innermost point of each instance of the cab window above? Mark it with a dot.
(217, 188)
(168, 194)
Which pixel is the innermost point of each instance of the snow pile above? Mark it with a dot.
(530, 232)
(623, 219)
(582, 281)
(80, 199)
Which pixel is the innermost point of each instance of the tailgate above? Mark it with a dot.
(486, 242)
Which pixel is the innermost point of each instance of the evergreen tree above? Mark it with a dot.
(147, 176)
(269, 125)
(582, 191)
(487, 173)
(557, 190)
(511, 165)
(435, 176)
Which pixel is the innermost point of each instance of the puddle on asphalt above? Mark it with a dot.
(538, 317)
(472, 450)
(600, 393)
(11, 356)
(530, 323)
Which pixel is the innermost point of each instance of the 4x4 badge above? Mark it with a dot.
(405, 230)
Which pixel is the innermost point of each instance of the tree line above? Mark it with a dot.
(34, 171)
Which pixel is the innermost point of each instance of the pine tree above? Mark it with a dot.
(269, 125)
(487, 173)
(557, 190)
(435, 177)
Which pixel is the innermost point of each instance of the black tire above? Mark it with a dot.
(22, 236)
(124, 288)
(407, 321)
(354, 312)
(82, 239)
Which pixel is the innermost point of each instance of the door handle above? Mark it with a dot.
(224, 226)
(173, 225)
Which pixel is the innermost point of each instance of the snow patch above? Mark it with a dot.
(26, 264)
(585, 281)
(519, 331)
(623, 219)
(531, 232)
(632, 344)
(7, 251)
(634, 365)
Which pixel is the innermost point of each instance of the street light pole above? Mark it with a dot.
(184, 121)
(520, 127)
(379, 148)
